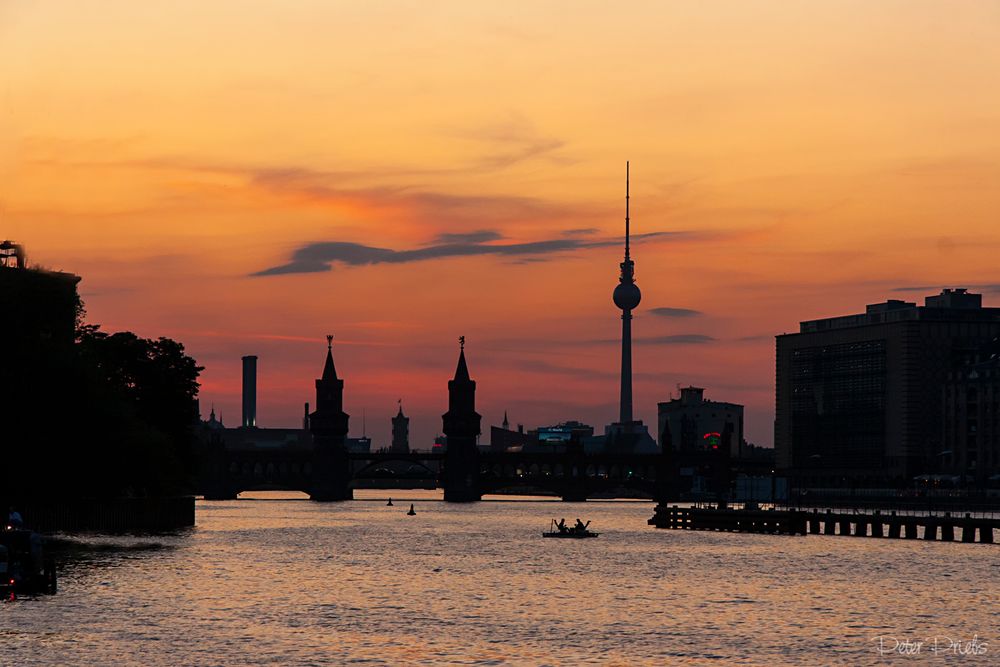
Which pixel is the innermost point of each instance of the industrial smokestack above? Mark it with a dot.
(250, 392)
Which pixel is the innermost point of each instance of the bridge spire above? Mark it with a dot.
(329, 370)
(462, 371)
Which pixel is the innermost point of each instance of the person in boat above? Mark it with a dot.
(561, 525)
(580, 526)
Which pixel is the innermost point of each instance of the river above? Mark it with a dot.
(279, 580)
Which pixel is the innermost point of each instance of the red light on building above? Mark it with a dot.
(712, 439)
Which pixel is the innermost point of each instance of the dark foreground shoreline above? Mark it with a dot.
(116, 515)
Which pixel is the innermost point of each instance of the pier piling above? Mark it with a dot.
(830, 522)
(930, 529)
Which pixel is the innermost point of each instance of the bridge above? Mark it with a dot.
(320, 464)
(571, 476)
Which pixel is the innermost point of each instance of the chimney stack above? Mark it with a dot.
(250, 392)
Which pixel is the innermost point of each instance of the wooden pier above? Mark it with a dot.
(732, 520)
(943, 527)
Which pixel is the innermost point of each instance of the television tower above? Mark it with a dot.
(626, 297)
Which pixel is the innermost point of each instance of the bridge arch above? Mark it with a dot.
(416, 468)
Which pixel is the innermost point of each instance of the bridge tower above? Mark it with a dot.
(462, 427)
(328, 425)
(400, 432)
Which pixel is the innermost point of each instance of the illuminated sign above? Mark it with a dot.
(712, 439)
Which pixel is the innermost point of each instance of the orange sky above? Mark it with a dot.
(804, 158)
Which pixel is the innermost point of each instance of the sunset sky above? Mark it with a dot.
(246, 177)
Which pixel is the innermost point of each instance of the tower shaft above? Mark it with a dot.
(625, 411)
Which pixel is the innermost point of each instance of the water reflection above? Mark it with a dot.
(294, 582)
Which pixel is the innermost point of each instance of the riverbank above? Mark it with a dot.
(116, 515)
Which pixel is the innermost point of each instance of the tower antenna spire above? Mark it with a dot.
(626, 210)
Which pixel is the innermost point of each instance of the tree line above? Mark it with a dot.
(96, 414)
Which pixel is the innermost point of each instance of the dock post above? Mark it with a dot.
(947, 528)
(930, 528)
(861, 527)
(894, 526)
(911, 528)
(968, 529)
(845, 526)
(985, 533)
(829, 525)
(814, 522)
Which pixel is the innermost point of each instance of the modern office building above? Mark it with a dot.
(859, 397)
(692, 423)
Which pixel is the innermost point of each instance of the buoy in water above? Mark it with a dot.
(389, 504)
(411, 512)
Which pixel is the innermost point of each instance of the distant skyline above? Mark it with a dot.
(248, 177)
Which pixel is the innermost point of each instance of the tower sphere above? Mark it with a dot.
(627, 296)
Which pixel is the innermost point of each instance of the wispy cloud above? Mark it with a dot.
(990, 288)
(665, 311)
(675, 339)
(480, 236)
(395, 197)
(512, 141)
(321, 256)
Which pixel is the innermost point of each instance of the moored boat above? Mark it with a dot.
(24, 566)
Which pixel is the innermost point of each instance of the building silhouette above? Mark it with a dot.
(400, 432)
(859, 397)
(250, 392)
(328, 424)
(970, 437)
(461, 428)
(503, 438)
(692, 422)
(40, 307)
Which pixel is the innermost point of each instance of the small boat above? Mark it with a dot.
(411, 512)
(24, 566)
(577, 532)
